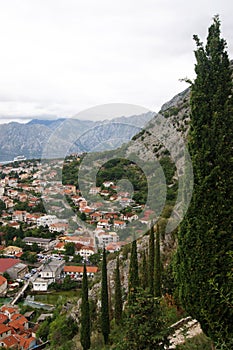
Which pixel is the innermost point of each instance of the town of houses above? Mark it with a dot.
(22, 189)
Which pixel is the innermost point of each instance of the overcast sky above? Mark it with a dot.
(59, 57)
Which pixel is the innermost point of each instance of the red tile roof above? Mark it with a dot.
(87, 247)
(17, 316)
(18, 324)
(4, 328)
(25, 343)
(79, 269)
(7, 263)
(3, 318)
(9, 309)
(10, 341)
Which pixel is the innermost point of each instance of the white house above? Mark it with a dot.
(76, 272)
(105, 238)
(85, 252)
(103, 223)
(52, 270)
(58, 227)
(108, 184)
(41, 284)
(118, 224)
(130, 217)
(19, 215)
(46, 220)
(95, 190)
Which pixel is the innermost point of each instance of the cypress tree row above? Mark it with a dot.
(105, 323)
(151, 260)
(157, 280)
(204, 262)
(133, 270)
(118, 294)
(85, 332)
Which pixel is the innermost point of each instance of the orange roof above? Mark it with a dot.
(15, 325)
(10, 341)
(79, 269)
(96, 214)
(59, 224)
(25, 343)
(4, 328)
(18, 323)
(2, 280)
(3, 318)
(87, 247)
(59, 245)
(10, 310)
(18, 316)
(87, 210)
(7, 263)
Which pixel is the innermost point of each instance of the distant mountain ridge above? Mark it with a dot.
(49, 123)
(30, 139)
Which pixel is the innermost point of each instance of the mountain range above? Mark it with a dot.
(74, 135)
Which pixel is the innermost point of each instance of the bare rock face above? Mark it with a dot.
(163, 132)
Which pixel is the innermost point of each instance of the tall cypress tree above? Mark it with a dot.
(157, 280)
(105, 323)
(118, 294)
(205, 240)
(151, 260)
(144, 271)
(133, 270)
(85, 333)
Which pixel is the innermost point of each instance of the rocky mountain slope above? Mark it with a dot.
(30, 139)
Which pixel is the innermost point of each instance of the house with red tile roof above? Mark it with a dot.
(9, 311)
(114, 247)
(76, 272)
(87, 210)
(96, 216)
(118, 224)
(103, 223)
(7, 263)
(16, 341)
(12, 250)
(14, 330)
(58, 227)
(27, 343)
(60, 246)
(19, 325)
(10, 342)
(18, 321)
(3, 318)
(4, 331)
(86, 252)
(18, 215)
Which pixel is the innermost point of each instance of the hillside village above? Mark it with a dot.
(27, 231)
